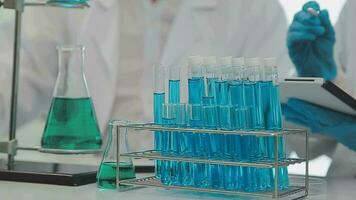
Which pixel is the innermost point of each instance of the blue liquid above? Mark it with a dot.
(214, 171)
(262, 174)
(186, 168)
(174, 91)
(158, 100)
(200, 171)
(225, 143)
(211, 88)
(222, 95)
(169, 168)
(273, 116)
(196, 90)
(208, 100)
(175, 138)
(237, 99)
(236, 93)
(252, 147)
(222, 99)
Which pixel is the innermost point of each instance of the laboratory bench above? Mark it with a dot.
(335, 189)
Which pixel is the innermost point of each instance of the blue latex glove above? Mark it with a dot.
(310, 42)
(339, 126)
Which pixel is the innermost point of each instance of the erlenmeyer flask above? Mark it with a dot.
(71, 122)
(108, 173)
(68, 3)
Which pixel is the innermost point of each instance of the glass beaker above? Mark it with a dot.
(71, 125)
(68, 3)
(108, 174)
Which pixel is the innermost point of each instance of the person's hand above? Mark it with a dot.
(310, 41)
(339, 126)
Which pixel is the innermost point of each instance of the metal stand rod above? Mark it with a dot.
(15, 83)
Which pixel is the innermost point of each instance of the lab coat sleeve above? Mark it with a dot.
(342, 50)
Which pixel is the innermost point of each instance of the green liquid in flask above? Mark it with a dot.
(71, 125)
(107, 174)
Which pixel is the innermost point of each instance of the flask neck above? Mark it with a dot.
(71, 82)
(71, 60)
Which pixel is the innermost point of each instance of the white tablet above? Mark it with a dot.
(318, 91)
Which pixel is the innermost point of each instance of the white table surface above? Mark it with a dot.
(340, 188)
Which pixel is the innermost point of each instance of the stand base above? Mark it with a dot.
(48, 173)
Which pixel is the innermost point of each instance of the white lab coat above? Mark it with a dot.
(343, 159)
(42, 29)
(228, 28)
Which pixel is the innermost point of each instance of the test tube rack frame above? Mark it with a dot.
(293, 192)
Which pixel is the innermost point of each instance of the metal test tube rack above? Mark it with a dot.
(294, 192)
(10, 147)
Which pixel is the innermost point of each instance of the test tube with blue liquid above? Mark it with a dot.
(272, 111)
(211, 118)
(158, 100)
(222, 142)
(237, 99)
(222, 99)
(174, 98)
(185, 169)
(174, 138)
(169, 169)
(200, 171)
(211, 72)
(196, 91)
(253, 147)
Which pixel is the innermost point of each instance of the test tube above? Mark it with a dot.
(251, 149)
(221, 85)
(196, 89)
(236, 86)
(158, 100)
(274, 119)
(169, 168)
(174, 84)
(210, 118)
(240, 113)
(174, 137)
(200, 171)
(226, 119)
(185, 169)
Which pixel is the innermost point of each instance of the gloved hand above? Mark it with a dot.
(310, 42)
(339, 126)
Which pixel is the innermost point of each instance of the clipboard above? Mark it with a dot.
(318, 91)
